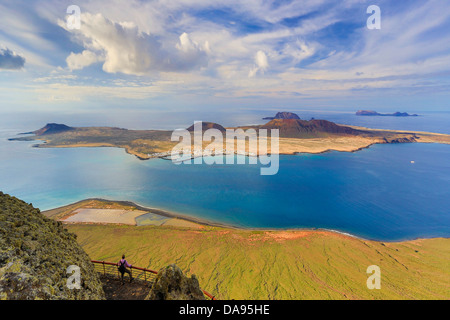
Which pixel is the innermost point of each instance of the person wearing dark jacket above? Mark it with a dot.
(123, 265)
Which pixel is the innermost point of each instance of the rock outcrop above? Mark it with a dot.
(208, 125)
(52, 128)
(283, 115)
(35, 253)
(406, 139)
(293, 128)
(172, 284)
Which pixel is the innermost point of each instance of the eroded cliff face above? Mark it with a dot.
(35, 253)
(400, 139)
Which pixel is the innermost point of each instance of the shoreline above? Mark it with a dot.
(154, 147)
(424, 137)
(223, 154)
(208, 223)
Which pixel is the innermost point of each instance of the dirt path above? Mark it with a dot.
(114, 290)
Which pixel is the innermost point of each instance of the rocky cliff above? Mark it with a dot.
(35, 253)
(172, 284)
(283, 115)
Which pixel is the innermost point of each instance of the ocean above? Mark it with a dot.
(386, 192)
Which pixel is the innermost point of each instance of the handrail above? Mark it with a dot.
(145, 270)
(132, 267)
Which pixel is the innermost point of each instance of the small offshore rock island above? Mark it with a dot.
(374, 113)
(296, 136)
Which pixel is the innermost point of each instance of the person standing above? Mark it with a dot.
(123, 265)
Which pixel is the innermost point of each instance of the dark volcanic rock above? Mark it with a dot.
(35, 253)
(401, 139)
(51, 128)
(374, 113)
(283, 115)
(208, 125)
(367, 113)
(402, 114)
(292, 128)
(172, 284)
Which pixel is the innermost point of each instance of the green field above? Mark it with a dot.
(244, 264)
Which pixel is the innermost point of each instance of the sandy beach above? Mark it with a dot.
(104, 216)
(101, 211)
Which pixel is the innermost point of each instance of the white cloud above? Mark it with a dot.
(64, 92)
(169, 40)
(298, 50)
(261, 64)
(20, 32)
(124, 48)
(77, 61)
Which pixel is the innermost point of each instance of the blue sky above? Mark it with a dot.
(209, 55)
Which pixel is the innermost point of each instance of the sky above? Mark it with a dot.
(222, 56)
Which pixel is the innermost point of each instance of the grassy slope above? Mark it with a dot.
(241, 264)
(35, 253)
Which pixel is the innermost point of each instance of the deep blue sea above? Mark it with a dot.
(376, 193)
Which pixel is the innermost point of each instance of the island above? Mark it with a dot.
(283, 115)
(296, 136)
(374, 113)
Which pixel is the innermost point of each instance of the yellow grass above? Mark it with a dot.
(244, 264)
(265, 264)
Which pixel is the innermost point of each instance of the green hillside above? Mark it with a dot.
(240, 264)
(35, 253)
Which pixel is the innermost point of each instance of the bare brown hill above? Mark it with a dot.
(296, 128)
(52, 128)
(208, 125)
(283, 115)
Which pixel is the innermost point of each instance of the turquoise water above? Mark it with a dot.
(376, 193)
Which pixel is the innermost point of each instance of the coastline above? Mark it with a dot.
(239, 264)
(212, 224)
(287, 146)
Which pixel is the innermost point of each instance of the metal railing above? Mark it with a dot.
(143, 274)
